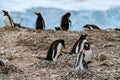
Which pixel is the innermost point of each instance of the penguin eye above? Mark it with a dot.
(86, 46)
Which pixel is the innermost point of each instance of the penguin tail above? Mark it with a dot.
(71, 53)
(41, 58)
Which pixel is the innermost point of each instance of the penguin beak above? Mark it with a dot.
(2, 10)
(35, 13)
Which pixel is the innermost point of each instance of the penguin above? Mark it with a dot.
(117, 29)
(58, 28)
(77, 45)
(91, 27)
(40, 24)
(65, 21)
(83, 57)
(54, 50)
(87, 53)
(8, 21)
(80, 64)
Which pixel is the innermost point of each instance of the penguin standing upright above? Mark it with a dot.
(8, 21)
(65, 21)
(54, 50)
(83, 56)
(40, 24)
(77, 45)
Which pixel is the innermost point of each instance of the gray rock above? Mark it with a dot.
(98, 78)
(102, 57)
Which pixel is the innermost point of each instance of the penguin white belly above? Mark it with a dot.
(88, 54)
(7, 21)
(76, 50)
(79, 64)
(91, 28)
(57, 52)
(82, 45)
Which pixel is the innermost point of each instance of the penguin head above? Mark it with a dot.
(68, 14)
(38, 13)
(87, 26)
(62, 42)
(83, 36)
(86, 46)
(5, 12)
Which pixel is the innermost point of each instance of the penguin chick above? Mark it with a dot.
(87, 52)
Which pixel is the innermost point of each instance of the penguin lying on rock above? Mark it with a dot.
(91, 27)
(58, 28)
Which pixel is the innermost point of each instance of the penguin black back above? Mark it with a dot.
(53, 49)
(40, 24)
(65, 21)
(78, 43)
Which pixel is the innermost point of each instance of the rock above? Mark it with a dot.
(108, 45)
(98, 78)
(107, 63)
(101, 57)
(19, 49)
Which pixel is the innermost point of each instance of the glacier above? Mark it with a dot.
(104, 19)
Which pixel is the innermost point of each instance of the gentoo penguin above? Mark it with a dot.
(91, 27)
(40, 24)
(117, 29)
(77, 45)
(54, 50)
(8, 21)
(65, 21)
(58, 28)
(83, 57)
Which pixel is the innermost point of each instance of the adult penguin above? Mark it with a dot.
(83, 57)
(8, 21)
(54, 50)
(91, 27)
(40, 24)
(77, 45)
(65, 21)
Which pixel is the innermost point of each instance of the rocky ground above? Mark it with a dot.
(20, 49)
